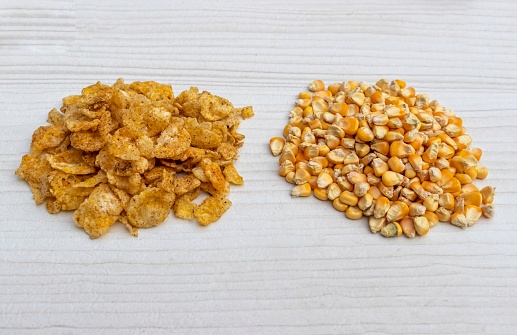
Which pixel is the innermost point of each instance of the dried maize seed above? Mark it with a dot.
(365, 202)
(463, 178)
(348, 198)
(391, 230)
(353, 213)
(431, 187)
(472, 198)
(482, 172)
(390, 178)
(488, 193)
(446, 201)
(434, 174)
(302, 176)
(321, 193)
(469, 188)
(333, 191)
(400, 149)
(416, 209)
(376, 224)
(324, 180)
(408, 228)
(303, 190)
(488, 210)
(443, 214)
(361, 188)
(431, 203)
(355, 177)
(285, 168)
(432, 218)
(339, 206)
(313, 182)
(472, 213)
(316, 85)
(421, 225)
(276, 144)
(398, 210)
(289, 177)
(396, 164)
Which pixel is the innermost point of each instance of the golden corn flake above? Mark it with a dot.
(132, 152)
(149, 208)
(211, 209)
(232, 175)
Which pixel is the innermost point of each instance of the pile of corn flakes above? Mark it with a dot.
(131, 152)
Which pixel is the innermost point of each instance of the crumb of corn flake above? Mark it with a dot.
(132, 152)
(386, 152)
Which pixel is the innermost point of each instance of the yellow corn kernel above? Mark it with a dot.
(349, 124)
(469, 188)
(332, 141)
(452, 186)
(476, 152)
(459, 220)
(396, 164)
(488, 210)
(323, 94)
(379, 167)
(316, 85)
(376, 224)
(320, 106)
(374, 192)
(397, 211)
(408, 228)
(365, 134)
(289, 177)
(324, 180)
(459, 205)
(482, 172)
(334, 88)
(463, 141)
(315, 124)
(471, 172)
(463, 178)
(432, 187)
(382, 147)
(416, 209)
(357, 98)
(380, 131)
(400, 83)
(302, 176)
(435, 175)
(400, 149)
(391, 230)
(443, 214)
(432, 218)
(472, 198)
(419, 190)
(308, 111)
(488, 193)
(446, 201)
(348, 198)
(313, 182)
(333, 191)
(390, 178)
(431, 203)
(303, 190)
(380, 119)
(472, 213)
(409, 172)
(344, 184)
(448, 140)
(339, 206)
(353, 213)
(392, 136)
(305, 95)
(453, 130)
(300, 157)
(421, 225)
(365, 202)
(445, 151)
(377, 97)
(368, 170)
(388, 192)
(431, 154)
(408, 194)
(321, 194)
(302, 103)
(362, 149)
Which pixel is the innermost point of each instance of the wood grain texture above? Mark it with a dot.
(272, 265)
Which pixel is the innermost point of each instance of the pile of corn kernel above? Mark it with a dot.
(384, 152)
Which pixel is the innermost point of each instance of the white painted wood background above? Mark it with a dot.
(272, 264)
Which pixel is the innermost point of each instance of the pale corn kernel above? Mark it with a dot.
(416, 209)
(379, 167)
(446, 201)
(361, 149)
(391, 230)
(376, 224)
(382, 205)
(302, 103)
(344, 184)
(408, 228)
(324, 180)
(396, 164)
(348, 198)
(443, 214)
(472, 214)
(285, 168)
(488, 210)
(488, 193)
(482, 172)
(385, 190)
(432, 218)
(321, 194)
(408, 194)
(353, 213)
(361, 188)
(421, 225)
(327, 117)
(431, 203)
(380, 131)
(365, 134)
(303, 190)
(365, 202)
(431, 187)
(390, 178)
(372, 179)
(398, 210)
(276, 144)
(316, 85)
(289, 177)
(434, 174)
(301, 176)
(477, 152)
(459, 220)
(336, 131)
(336, 156)
(355, 177)
(333, 191)
(287, 155)
(357, 98)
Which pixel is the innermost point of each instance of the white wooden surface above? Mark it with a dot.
(272, 264)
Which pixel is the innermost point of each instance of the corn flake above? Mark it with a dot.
(132, 152)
